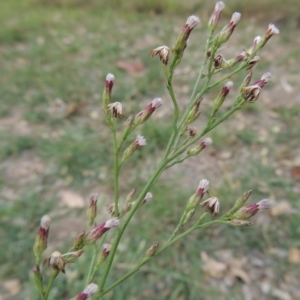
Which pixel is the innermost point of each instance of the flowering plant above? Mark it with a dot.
(185, 141)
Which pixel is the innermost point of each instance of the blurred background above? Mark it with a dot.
(55, 146)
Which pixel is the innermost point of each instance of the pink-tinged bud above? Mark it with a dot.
(42, 237)
(254, 45)
(139, 142)
(240, 223)
(163, 52)
(129, 122)
(105, 252)
(252, 62)
(251, 93)
(116, 110)
(92, 236)
(202, 187)
(220, 98)
(226, 32)
(88, 292)
(143, 115)
(250, 210)
(92, 209)
(151, 251)
(214, 19)
(203, 144)
(109, 82)
(147, 197)
(130, 195)
(183, 36)
(194, 112)
(79, 241)
(234, 61)
(263, 80)
(212, 205)
(272, 29)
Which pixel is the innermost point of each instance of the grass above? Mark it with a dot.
(54, 58)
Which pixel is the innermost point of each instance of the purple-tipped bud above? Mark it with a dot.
(92, 209)
(148, 197)
(214, 19)
(202, 187)
(109, 82)
(203, 144)
(42, 237)
(194, 112)
(116, 110)
(151, 251)
(212, 205)
(88, 292)
(272, 29)
(130, 195)
(234, 61)
(79, 241)
(252, 62)
(226, 32)
(183, 36)
(254, 45)
(139, 142)
(143, 115)
(163, 52)
(92, 236)
(105, 252)
(220, 98)
(263, 80)
(250, 210)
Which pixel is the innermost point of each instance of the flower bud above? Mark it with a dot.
(105, 252)
(272, 29)
(242, 200)
(263, 80)
(78, 242)
(214, 19)
(250, 210)
(88, 292)
(252, 62)
(218, 61)
(109, 82)
(234, 61)
(251, 93)
(254, 45)
(151, 251)
(147, 198)
(56, 261)
(183, 36)
(196, 150)
(194, 113)
(188, 216)
(143, 115)
(42, 237)
(226, 32)
(129, 122)
(196, 198)
(221, 97)
(130, 195)
(116, 110)
(247, 79)
(92, 209)
(92, 236)
(212, 205)
(163, 52)
(139, 142)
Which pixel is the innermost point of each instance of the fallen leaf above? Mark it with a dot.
(131, 66)
(71, 199)
(294, 255)
(281, 208)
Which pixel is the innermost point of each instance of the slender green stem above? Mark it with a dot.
(50, 283)
(95, 252)
(145, 260)
(116, 169)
